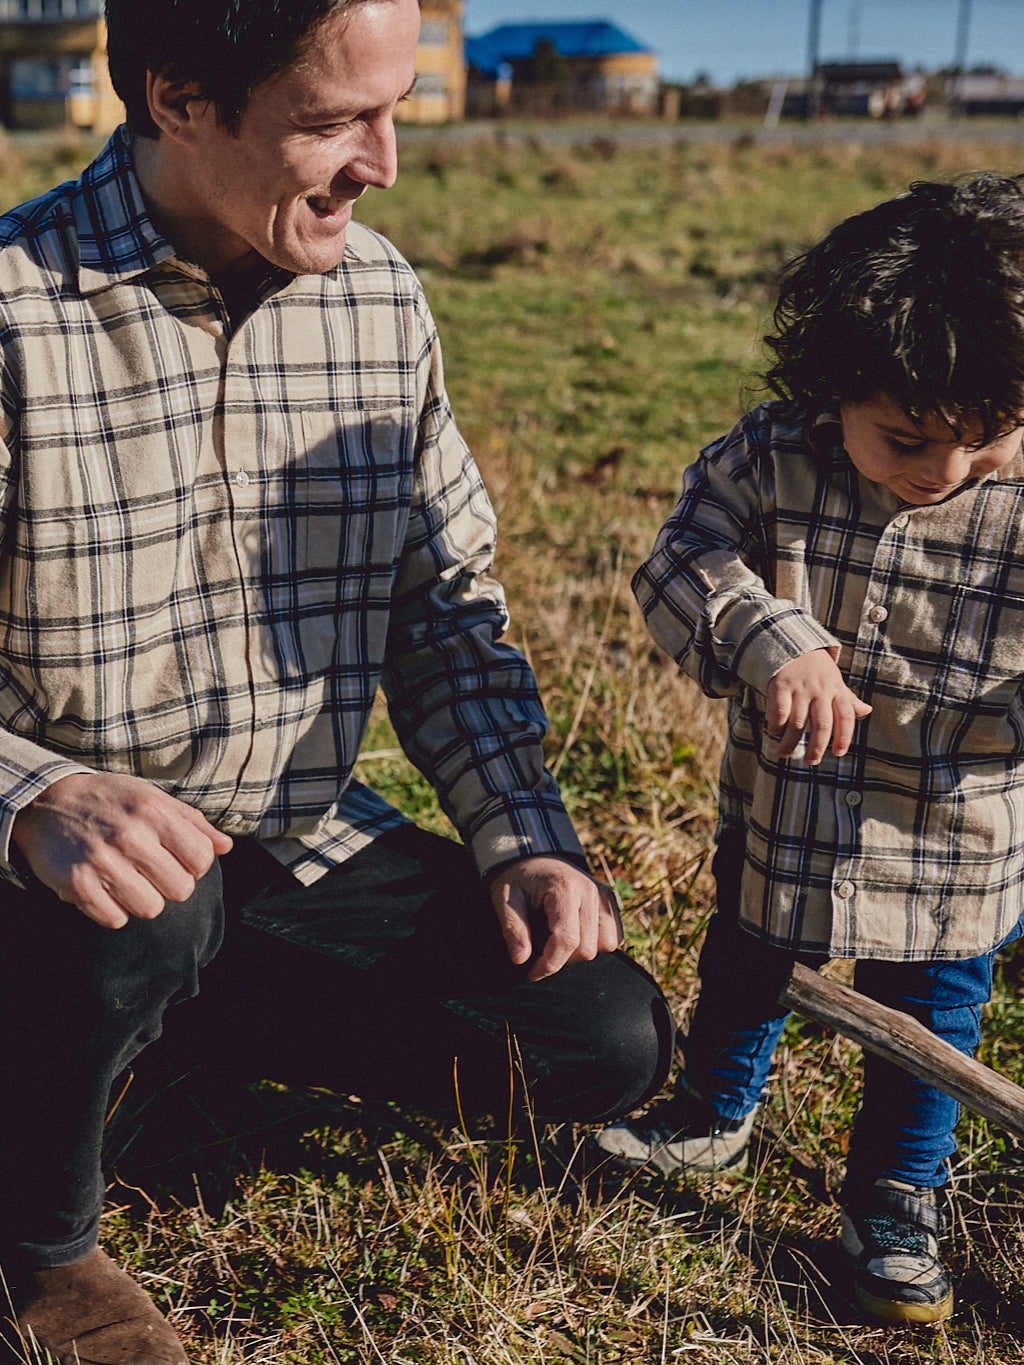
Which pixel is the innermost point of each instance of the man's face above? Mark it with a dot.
(921, 462)
(310, 141)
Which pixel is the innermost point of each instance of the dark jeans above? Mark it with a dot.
(386, 978)
(904, 1130)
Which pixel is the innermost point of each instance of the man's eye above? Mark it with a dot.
(329, 129)
(907, 447)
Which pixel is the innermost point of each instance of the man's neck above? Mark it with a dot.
(164, 184)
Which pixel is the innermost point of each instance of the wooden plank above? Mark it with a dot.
(908, 1044)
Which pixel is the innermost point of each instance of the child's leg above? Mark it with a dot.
(905, 1128)
(901, 1141)
(706, 1126)
(738, 1019)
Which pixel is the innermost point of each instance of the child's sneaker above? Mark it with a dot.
(890, 1238)
(681, 1137)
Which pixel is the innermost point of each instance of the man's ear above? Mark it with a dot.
(173, 105)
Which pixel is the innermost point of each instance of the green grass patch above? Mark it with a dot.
(601, 308)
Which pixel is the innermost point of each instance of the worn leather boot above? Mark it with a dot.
(88, 1313)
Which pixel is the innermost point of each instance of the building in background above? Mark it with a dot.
(986, 94)
(561, 67)
(877, 89)
(53, 66)
(440, 93)
(861, 89)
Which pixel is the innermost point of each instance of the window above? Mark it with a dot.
(50, 78)
(37, 78)
(431, 84)
(434, 33)
(22, 10)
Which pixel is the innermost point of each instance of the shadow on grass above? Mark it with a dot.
(188, 1128)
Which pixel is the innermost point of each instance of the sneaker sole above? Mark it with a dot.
(891, 1310)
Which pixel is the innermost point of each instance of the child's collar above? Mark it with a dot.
(825, 436)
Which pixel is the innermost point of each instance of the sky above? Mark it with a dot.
(729, 40)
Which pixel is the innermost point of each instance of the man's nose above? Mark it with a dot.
(375, 160)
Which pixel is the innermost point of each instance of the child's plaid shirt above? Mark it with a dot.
(912, 845)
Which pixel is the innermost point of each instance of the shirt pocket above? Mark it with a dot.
(981, 660)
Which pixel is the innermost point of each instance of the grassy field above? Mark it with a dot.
(601, 310)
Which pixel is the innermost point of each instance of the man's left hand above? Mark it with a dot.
(581, 915)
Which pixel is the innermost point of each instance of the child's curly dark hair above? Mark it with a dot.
(921, 299)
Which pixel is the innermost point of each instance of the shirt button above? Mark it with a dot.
(229, 822)
(845, 890)
(876, 615)
(900, 521)
(852, 798)
(241, 478)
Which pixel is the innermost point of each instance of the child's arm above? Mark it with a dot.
(808, 696)
(706, 592)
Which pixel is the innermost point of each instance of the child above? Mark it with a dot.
(847, 567)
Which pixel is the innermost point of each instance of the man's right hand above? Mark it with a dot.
(115, 845)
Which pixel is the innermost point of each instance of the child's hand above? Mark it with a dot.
(808, 695)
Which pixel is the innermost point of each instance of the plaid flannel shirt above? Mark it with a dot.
(912, 845)
(217, 544)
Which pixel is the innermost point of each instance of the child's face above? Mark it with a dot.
(921, 462)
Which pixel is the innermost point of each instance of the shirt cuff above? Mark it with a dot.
(526, 827)
(777, 641)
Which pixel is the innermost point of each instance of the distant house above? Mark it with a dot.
(877, 89)
(53, 66)
(871, 89)
(987, 94)
(561, 66)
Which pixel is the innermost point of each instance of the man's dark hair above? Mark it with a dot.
(920, 299)
(226, 47)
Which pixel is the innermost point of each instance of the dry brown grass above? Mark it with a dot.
(601, 312)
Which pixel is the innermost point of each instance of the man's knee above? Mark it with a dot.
(102, 972)
(616, 1051)
(159, 959)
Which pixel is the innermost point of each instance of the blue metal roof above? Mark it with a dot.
(482, 54)
(516, 42)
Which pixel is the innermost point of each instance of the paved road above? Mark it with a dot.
(930, 127)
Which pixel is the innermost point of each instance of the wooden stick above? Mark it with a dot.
(906, 1043)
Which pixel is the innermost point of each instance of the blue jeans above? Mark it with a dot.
(904, 1130)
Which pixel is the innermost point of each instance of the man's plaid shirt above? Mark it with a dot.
(216, 544)
(912, 845)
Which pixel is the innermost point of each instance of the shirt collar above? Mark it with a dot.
(116, 238)
(825, 435)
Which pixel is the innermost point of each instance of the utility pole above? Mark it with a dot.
(813, 55)
(853, 29)
(963, 29)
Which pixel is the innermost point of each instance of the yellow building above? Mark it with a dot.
(53, 66)
(440, 93)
